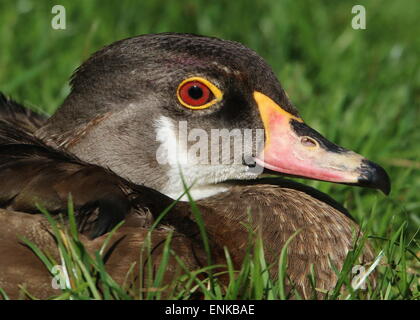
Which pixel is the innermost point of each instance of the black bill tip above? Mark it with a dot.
(374, 176)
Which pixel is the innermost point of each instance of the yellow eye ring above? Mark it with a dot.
(197, 93)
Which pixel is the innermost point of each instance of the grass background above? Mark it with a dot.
(360, 88)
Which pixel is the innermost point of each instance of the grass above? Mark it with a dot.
(83, 275)
(360, 88)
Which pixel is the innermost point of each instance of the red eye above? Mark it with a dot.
(195, 93)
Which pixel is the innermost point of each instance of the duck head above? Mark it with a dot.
(153, 106)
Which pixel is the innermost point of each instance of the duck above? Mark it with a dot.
(136, 131)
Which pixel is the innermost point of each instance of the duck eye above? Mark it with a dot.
(197, 93)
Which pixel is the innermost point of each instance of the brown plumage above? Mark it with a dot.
(19, 116)
(33, 172)
(101, 148)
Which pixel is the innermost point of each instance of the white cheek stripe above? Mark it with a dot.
(205, 177)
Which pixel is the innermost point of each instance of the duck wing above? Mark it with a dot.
(19, 116)
(35, 175)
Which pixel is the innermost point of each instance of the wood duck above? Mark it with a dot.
(117, 146)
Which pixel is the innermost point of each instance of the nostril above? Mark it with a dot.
(308, 142)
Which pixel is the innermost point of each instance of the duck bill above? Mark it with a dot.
(292, 147)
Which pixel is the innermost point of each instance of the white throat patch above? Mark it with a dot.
(205, 179)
